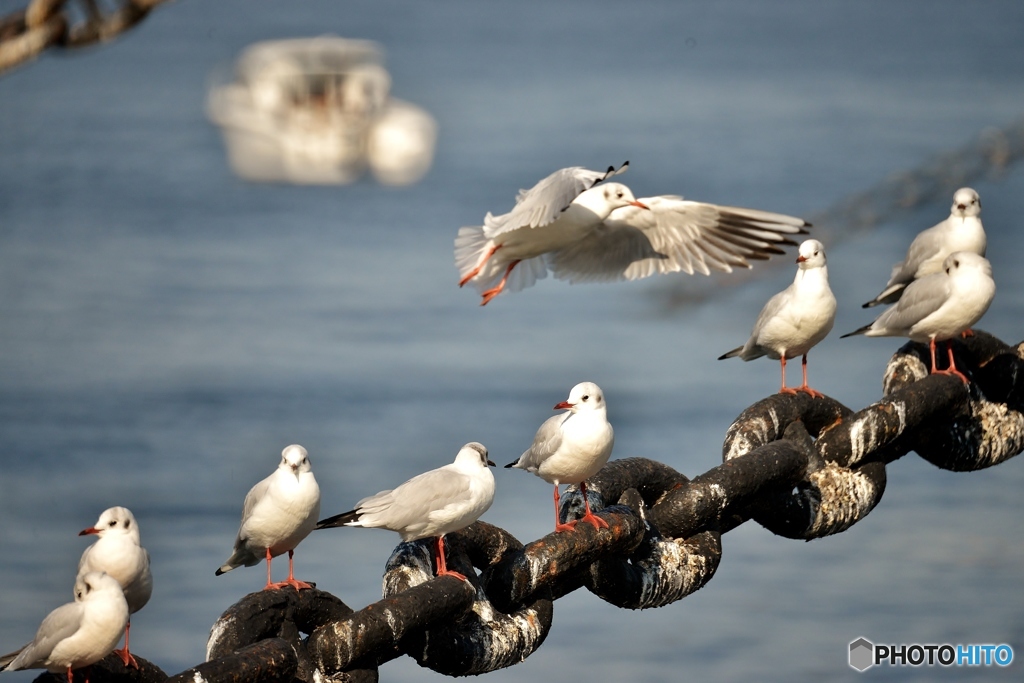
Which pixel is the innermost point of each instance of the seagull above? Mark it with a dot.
(78, 633)
(278, 513)
(939, 306)
(585, 231)
(118, 551)
(796, 319)
(962, 231)
(434, 503)
(572, 447)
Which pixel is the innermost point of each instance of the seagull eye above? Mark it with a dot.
(585, 398)
(956, 264)
(112, 523)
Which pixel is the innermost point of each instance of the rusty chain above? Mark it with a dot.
(803, 468)
(27, 33)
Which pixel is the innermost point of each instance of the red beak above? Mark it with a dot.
(801, 259)
(90, 530)
(564, 405)
(640, 204)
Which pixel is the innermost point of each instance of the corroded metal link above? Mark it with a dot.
(26, 34)
(281, 614)
(372, 635)
(953, 426)
(269, 660)
(474, 640)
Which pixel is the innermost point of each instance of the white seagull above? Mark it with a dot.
(939, 306)
(434, 503)
(962, 231)
(278, 513)
(585, 233)
(118, 551)
(571, 447)
(78, 633)
(796, 319)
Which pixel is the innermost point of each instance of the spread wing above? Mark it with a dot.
(675, 235)
(546, 200)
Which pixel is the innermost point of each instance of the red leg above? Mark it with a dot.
(568, 526)
(442, 567)
(590, 516)
(495, 291)
(952, 364)
(124, 654)
(803, 387)
(476, 271)
(967, 333)
(269, 584)
(291, 580)
(71, 678)
(784, 389)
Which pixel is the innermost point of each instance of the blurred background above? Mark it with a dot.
(167, 328)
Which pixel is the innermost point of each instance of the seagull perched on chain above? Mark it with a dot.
(939, 306)
(571, 447)
(434, 503)
(118, 551)
(961, 231)
(78, 633)
(584, 230)
(277, 514)
(796, 319)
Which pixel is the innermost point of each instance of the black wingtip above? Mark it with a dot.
(862, 330)
(511, 464)
(337, 520)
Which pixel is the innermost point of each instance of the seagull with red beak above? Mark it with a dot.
(118, 551)
(571, 447)
(585, 230)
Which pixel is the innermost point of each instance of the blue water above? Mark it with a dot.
(166, 329)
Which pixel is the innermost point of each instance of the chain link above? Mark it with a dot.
(26, 34)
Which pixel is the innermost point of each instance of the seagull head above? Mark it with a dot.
(966, 261)
(811, 255)
(605, 198)
(474, 453)
(115, 520)
(966, 203)
(93, 585)
(583, 396)
(296, 459)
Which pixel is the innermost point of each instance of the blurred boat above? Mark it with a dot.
(319, 111)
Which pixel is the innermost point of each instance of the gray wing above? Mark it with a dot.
(545, 201)
(675, 235)
(255, 495)
(771, 309)
(546, 441)
(927, 245)
(920, 299)
(409, 506)
(59, 624)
